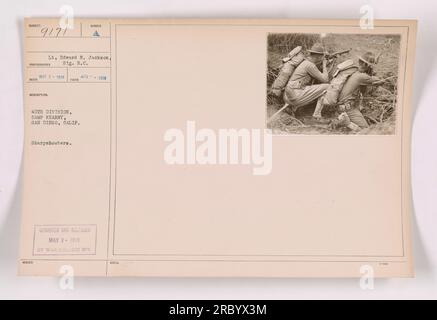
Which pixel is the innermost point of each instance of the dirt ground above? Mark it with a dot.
(379, 102)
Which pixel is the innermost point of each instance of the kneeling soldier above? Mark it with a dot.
(299, 91)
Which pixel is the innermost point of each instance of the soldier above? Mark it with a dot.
(349, 96)
(299, 90)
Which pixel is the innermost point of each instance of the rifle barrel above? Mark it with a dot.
(339, 53)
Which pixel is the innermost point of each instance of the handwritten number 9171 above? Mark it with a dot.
(53, 32)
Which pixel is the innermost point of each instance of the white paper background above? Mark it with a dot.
(424, 154)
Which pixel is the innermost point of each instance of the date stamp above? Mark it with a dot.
(65, 240)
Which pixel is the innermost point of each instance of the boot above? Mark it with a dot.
(353, 127)
(317, 115)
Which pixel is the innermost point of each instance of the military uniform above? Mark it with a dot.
(300, 91)
(349, 95)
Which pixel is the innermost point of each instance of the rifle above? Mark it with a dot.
(336, 54)
(384, 80)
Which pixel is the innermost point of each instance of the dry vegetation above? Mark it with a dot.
(379, 102)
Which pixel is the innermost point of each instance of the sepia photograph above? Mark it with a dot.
(334, 84)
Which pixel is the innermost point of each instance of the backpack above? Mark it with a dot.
(343, 72)
(290, 63)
